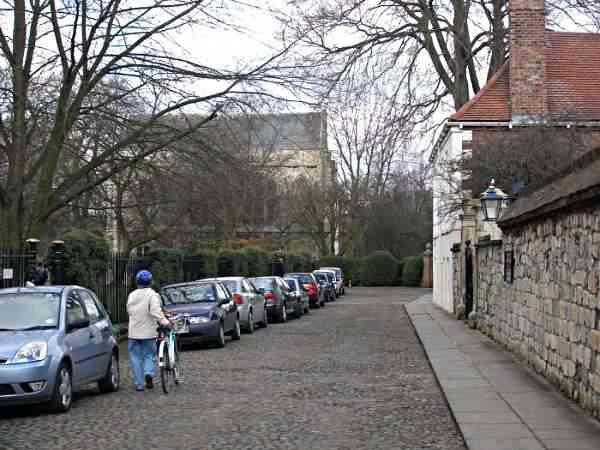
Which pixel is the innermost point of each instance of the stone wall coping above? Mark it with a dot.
(489, 243)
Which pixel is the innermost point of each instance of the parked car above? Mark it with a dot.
(53, 341)
(299, 292)
(331, 276)
(327, 284)
(339, 279)
(280, 302)
(316, 295)
(209, 306)
(251, 304)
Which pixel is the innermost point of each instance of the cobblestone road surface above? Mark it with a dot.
(350, 376)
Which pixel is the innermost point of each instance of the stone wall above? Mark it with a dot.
(549, 316)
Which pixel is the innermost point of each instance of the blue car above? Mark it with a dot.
(53, 341)
(210, 310)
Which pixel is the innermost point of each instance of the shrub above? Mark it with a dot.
(412, 271)
(259, 262)
(298, 263)
(166, 266)
(232, 263)
(380, 269)
(207, 263)
(86, 255)
(356, 274)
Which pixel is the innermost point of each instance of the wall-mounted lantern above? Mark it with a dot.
(493, 202)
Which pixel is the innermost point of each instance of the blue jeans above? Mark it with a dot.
(142, 357)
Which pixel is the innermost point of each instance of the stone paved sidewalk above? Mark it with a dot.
(498, 403)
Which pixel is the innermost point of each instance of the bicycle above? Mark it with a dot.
(168, 352)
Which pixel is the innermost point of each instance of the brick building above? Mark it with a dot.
(551, 80)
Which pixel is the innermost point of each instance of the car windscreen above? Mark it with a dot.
(291, 283)
(330, 276)
(29, 311)
(264, 283)
(304, 279)
(338, 273)
(195, 293)
(321, 276)
(233, 285)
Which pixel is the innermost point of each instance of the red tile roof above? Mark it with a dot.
(572, 81)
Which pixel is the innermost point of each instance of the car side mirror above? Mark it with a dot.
(78, 324)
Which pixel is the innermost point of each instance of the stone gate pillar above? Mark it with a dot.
(427, 279)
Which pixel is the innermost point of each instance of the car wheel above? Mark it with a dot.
(250, 327)
(236, 334)
(110, 382)
(283, 313)
(220, 340)
(62, 398)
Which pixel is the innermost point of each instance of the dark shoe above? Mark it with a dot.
(139, 389)
(149, 382)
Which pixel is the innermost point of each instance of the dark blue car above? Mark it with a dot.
(209, 308)
(54, 340)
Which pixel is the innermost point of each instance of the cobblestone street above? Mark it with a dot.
(350, 376)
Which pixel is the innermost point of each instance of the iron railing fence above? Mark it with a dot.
(15, 268)
(111, 279)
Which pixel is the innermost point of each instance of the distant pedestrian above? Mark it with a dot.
(40, 275)
(145, 313)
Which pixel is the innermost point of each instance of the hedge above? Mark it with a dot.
(380, 269)
(207, 263)
(412, 271)
(232, 263)
(259, 261)
(86, 255)
(166, 266)
(298, 263)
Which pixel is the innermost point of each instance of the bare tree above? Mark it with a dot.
(370, 130)
(436, 49)
(62, 59)
(520, 160)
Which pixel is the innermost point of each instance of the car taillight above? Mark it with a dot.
(269, 296)
(311, 289)
(238, 299)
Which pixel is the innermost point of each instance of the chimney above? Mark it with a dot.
(527, 60)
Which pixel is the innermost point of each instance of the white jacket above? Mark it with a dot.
(144, 309)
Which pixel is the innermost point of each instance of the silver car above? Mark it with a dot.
(54, 340)
(251, 303)
(339, 279)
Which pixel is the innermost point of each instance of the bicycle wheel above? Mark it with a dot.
(165, 366)
(177, 368)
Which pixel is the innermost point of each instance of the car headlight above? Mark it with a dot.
(32, 352)
(198, 320)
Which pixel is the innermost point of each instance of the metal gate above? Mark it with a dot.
(468, 279)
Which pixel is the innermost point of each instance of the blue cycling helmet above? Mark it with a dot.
(144, 278)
